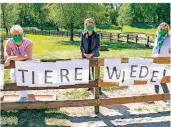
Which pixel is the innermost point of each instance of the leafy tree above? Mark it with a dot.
(9, 15)
(126, 15)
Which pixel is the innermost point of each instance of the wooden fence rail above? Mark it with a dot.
(95, 83)
(146, 39)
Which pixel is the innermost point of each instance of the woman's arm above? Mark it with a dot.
(154, 47)
(20, 58)
(96, 49)
(28, 56)
(82, 48)
(81, 44)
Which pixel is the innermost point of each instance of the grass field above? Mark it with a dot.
(138, 28)
(46, 47)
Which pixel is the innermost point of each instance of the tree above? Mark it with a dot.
(40, 14)
(70, 15)
(9, 15)
(27, 14)
(126, 15)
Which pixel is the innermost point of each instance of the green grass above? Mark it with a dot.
(35, 118)
(114, 88)
(47, 47)
(78, 94)
(134, 28)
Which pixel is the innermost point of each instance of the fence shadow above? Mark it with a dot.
(120, 46)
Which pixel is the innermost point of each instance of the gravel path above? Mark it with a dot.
(155, 114)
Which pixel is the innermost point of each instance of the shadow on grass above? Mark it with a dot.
(107, 119)
(113, 45)
(144, 26)
(31, 118)
(36, 118)
(121, 45)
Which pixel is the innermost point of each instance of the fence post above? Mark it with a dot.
(110, 36)
(79, 34)
(2, 52)
(118, 37)
(101, 36)
(136, 38)
(96, 90)
(127, 37)
(49, 32)
(148, 40)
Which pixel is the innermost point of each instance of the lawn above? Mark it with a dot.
(47, 47)
(137, 28)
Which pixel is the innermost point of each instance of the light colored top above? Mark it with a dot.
(165, 50)
(19, 50)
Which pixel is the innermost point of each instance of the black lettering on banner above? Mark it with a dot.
(64, 75)
(131, 75)
(76, 74)
(114, 70)
(154, 76)
(46, 76)
(23, 78)
(147, 71)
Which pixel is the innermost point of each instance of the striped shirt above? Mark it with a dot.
(19, 50)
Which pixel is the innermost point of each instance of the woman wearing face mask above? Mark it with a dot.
(90, 42)
(162, 49)
(18, 48)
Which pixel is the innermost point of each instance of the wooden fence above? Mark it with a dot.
(146, 39)
(96, 83)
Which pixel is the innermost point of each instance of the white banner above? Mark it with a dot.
(135, 69)
(1, 76)
(115, 71)
(44, 74)
(156, 74)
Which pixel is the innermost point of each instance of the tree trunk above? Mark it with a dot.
(72, 32)
(3, 16)
(121, 27)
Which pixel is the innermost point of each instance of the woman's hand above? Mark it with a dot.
(7, 62)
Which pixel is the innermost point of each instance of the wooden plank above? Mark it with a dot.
(96, 90)
(48, 104)
(13, 87)
(165, 79)
(14, 98)
(134, 99)
(159, 60)
(93, 62)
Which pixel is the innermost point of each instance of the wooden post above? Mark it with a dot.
(148, 40)
(67, 33)
(2, 52)
(49, 32)
(62, 34)
(101, 36)
(127, 37)
(117, 37)
(136, 38)
(96, 90)
(79, 34)
(110, 36)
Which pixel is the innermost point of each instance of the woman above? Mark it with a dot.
(18, 48)
(90, 43)
(162, 49)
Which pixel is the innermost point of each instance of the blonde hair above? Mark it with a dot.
(166, 28)
(88, 20)
(16, 28)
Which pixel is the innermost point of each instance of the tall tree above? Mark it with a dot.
(126, 15)
(9, 15)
